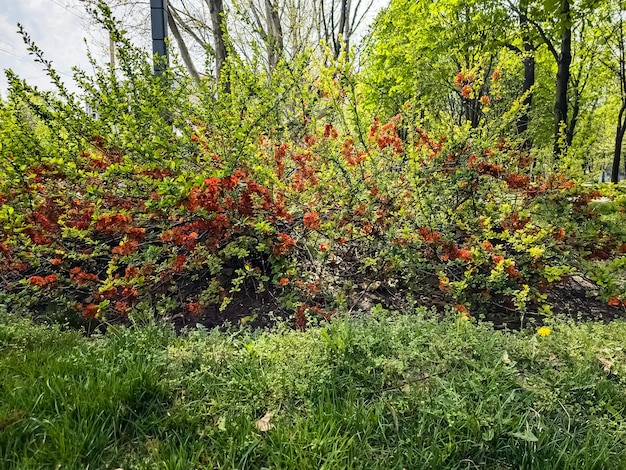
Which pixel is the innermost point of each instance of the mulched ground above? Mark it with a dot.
(576, 299)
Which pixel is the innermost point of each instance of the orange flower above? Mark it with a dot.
(194, 308)
(284, 245)
(283, 281)
(131, 272)
(614, 301)
(467, 91)
(461, 308)
(301, 320)
(37, 281)
(516, 181)
(485, 100)
(90, 311)
(126, 248)
(311, 220)
(56, 261)
(459, 79)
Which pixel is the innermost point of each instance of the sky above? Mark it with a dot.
(57, 28)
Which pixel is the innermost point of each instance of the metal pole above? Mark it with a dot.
(158, 17)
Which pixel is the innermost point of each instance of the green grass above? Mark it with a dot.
(384, 392)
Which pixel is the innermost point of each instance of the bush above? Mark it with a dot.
(172, 202)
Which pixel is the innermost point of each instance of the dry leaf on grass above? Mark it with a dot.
(264, 424)
(606, 364)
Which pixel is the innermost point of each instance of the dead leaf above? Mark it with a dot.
(505, 358)
(606, 364)
(264, 424)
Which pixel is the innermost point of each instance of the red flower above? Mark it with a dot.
(517, 181)
(37, 281)
(330, 131)
(461, 309)
(429, 235)
(284, 245)
(81, 277)
(179, 263)
(467, 91)
(465, 255)
(126, 248)
(301, 320)
(131, 272)
(90, 311)
(194, 308)
(311, 220)
(459, 79)
(614, 301)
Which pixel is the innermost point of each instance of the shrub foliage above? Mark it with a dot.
(173, 198)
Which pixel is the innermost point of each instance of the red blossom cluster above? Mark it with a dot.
(429, 235)
(81, 277)
(311, 220)
(352, 156)
(491, 169)
(49, 280)
(514, 222)
(330, 131)
(126, 248)
(306, 176)
(387, 135)
(79, 215)
(426, 141)
(113, 223)
(89, 311)
(616, 302)
(517, 181)
(284, 244)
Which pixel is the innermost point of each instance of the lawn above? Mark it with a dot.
(386, 391)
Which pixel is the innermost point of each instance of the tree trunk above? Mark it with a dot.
(184, 52)
(343, 32)
(529, 75)
(619, 138)
(218, 24)
(562, 76)
(571, 126)
(275, 44)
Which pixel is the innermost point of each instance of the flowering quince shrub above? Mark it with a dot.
(447, 220)
(173, 205)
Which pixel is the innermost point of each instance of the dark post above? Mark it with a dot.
(158, 16)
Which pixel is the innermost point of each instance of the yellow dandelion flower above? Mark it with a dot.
(544, 331)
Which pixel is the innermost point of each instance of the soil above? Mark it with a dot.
(576, 299)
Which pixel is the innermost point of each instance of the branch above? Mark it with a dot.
(184, 51)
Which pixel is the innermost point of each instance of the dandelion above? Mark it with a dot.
(544, 331)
